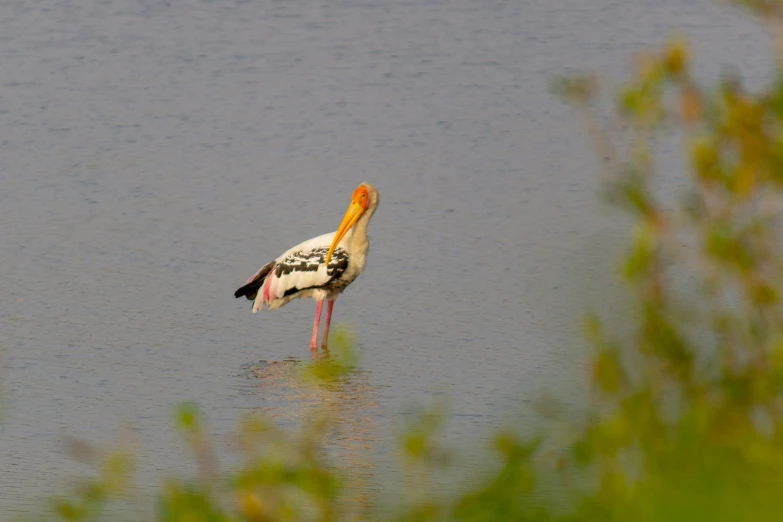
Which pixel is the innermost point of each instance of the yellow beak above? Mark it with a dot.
(355, 211)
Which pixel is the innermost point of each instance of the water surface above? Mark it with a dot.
(154, 154)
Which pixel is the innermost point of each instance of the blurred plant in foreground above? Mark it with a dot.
(339, 363)
(283, 475)
(688, 415)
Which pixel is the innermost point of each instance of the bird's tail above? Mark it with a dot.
(251, 287)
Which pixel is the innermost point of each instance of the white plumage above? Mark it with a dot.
(309, 283)
(321, 267)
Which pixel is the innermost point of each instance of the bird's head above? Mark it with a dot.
(363, 201)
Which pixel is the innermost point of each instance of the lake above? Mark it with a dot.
(154, 154)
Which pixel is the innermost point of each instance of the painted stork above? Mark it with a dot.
(320, 268)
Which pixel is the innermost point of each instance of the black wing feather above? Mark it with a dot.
(250, 289)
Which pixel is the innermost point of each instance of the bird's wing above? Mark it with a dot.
(301, 270)
(254, 283)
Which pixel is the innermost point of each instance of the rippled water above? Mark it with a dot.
(154, 154)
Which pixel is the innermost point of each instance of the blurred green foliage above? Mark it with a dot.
(338, 363)
(687, 422)
(686, 419)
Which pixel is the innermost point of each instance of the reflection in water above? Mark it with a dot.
(351, 404)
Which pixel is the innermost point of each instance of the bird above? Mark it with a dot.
(321, 267)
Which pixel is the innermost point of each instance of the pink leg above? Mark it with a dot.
(329, 307)
(314, 340)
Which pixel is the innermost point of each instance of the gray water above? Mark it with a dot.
(154, 154)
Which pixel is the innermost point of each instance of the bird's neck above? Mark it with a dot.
(360, 242)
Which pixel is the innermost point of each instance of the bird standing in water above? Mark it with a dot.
(320, 268)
